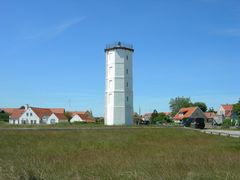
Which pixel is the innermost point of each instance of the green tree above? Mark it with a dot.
(236, 109)
(211, 109)
(22, 107)
(68, 115)
(161, 118)
(201, 105)
(179, 102)
(89, 113)
(227, 123)
(154, 115)
(4, 116)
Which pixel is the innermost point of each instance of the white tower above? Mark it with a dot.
(119, 88)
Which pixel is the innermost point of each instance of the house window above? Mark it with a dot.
(30, 114)
(27, 114)
(35, 121)
(31, 121)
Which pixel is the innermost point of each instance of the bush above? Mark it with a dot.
(4, 117)
(161, 118)
(227, 123)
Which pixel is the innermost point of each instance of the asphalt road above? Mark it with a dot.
(229, 133)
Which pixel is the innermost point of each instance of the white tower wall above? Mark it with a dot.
(119, 86)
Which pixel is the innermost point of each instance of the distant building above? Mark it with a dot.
(81, 117)
(190, 113)
(15, 115)
(57, 118)
(210, 116)
(33, 115)
(147, 117)
(226, 111)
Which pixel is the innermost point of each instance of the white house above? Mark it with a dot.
(192, 113)
(33, 115)
(15, 115)
(226, 111)
(56, 118)
(119, 85)
(81, 117)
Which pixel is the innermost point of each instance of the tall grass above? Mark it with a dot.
(164, 153)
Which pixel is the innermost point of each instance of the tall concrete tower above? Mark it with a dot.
(119, 85)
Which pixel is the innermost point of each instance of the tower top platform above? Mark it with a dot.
(119, 45)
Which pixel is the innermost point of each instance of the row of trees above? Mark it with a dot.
(160, 118)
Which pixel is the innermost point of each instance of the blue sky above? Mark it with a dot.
(52, 52)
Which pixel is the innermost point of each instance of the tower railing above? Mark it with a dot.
(119, 44)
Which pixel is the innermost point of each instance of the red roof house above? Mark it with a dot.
(226, 111)
(190, 112)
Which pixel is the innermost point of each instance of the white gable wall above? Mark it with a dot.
(29, 117)
(76, 118)
(221, 111)
(53, 119)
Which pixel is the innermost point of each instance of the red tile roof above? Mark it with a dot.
(185, 113)
(41, 112)
(57, 110)
(73, 113)
(9, 110)
(61, 116)
(16, 114)
(228, 110)
(227, 107)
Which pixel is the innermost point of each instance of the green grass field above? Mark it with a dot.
(142, 153)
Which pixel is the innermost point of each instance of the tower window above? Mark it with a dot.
(110, 99)
(110, 71)
(127, 98)
(127, 57)
(127, 71)
(127, 84)
(110, 84)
